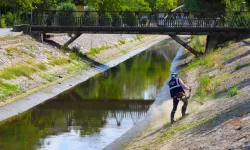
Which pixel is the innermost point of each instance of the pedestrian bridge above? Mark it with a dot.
(117, 22)
(217, 25)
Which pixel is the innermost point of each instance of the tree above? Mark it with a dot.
(118, 5)
(105, 5)
(66, 16)
(204, 5)
(22, 5)
(155, 4)
(212, 5)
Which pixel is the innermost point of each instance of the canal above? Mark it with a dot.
(93, 114)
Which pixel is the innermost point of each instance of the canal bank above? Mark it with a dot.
(14, 107)
(157, 115)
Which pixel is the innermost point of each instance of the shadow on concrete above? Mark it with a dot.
(232, 112)
(240, 67)
(242, 84)
(236, 58)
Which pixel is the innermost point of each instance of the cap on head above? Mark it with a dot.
(173, 74)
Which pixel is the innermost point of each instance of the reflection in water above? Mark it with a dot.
(139, 78)
(96, 112)
(71, 122)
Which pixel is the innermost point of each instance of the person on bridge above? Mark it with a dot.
(177, 88)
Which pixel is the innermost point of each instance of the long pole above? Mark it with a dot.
(31, 18)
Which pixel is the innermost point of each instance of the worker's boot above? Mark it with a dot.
(172, 117)
(184, 108)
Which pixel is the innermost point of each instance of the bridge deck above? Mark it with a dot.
(141, 22)
(138, 30)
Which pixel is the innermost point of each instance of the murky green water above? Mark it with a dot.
(93, 114)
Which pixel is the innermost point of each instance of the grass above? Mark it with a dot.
(58, 61)
(208, 85)
(234, 91)
(5, 38)
(26, 69)
(18, 51)
(138, 37)
(73, 56)
(209, 61)
(122, 41)
(198, 43)
(204, 88)
(240, 66)
(124, 51)
(75, 66)
(96, 50)
(195, 64)
(31, 46)
(8, 90)
(46, 51)
(48, 77)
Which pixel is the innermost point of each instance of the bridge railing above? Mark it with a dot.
(143, 19)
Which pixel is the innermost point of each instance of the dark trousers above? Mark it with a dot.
(183, 109)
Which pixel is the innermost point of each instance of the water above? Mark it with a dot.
(93, 114)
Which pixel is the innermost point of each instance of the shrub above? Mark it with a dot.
(10, 19)
(66, 15)
(2, 22)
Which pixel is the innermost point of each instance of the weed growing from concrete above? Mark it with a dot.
(234, 91)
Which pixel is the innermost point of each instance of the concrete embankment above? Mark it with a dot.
(219, 109)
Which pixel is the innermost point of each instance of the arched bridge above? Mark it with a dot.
(181, 23)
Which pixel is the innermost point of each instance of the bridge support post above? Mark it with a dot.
(185, 45)
(212, 42)
(72, 39)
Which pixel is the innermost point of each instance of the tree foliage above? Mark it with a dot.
(131, 5)
(212, 5)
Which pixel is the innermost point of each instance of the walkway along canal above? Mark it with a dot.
(94, 113)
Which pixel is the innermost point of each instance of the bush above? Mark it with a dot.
(66, 15)
(105, 20)
(2, 22)
(10, 19)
